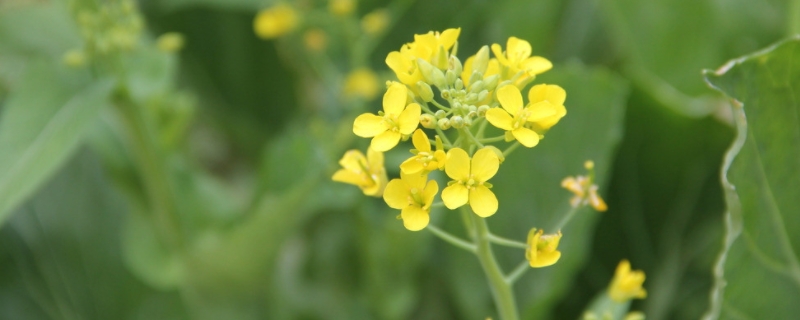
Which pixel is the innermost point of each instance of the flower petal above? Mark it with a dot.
(510, 98)
(455, 196)
(544, 92)
(526, 137)
(499, 54)
(415, 218)
(368, 125)
(375, 160)
(485, 164)
(346, 176)
(385, 141)
(448, 37)
(409, 119)
(517, 49)
(414, 180)
(431, 189)
(541, 110)
(396, 194)
(395, 98)
(483, 201)
(457, 167)
(500, 118)
(420, 141)
(536, 65)
(411, 165)
(544, 259)
(353, 160)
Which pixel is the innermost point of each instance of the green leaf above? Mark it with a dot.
(42, 123)
(759, 263)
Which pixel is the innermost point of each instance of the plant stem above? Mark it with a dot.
(518, 272)
(567, 217)
(444, 235)
(506, 242)
(501, 289)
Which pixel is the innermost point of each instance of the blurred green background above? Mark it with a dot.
(248, 131)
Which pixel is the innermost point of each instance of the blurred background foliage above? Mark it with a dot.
(247, 131)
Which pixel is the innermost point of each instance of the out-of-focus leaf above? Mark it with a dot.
(61, 259)
(42, 123)
(149, 72)
(37, 29)
(530, 195)
(759, 263)
(238, 5)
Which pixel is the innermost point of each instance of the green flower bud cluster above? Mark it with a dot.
(108, 27)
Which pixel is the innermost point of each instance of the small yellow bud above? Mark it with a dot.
(443, 124)
(627, 284)
(490, 83)
(481, 60)
(427, 121)
(275, 21)
(74, 58)
(482, 110)
(431, 74)
(375, 22)
(315, 40)
(170, 42)
(361, 83)
(425, 91)
(342, 7)
(589, 164)
(440, 114)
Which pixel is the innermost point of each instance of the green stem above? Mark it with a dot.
(567, 217)
(520, 270)
(511, 148)
(493, 139)
(153, 172)
(467, 133)
(456, 241)
(506, 242)
(443, 136)
(794, 18)
(501, 289)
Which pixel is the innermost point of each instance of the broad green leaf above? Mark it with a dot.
(759, 267)
(37, 29)
(530, 195)
(43, 121)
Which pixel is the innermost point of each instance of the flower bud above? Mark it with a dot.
(457, 122)
(443, 124)
(440, 60)
(490, 83)
(472, 97)
(476, 76)
(476, 86)
(481, 60)
(468, 121)
(427, 121)
(440, 114)
(455, 65)
(482, 96)
(459, 84)
(425, 91)
(450, 77)
(482, 110)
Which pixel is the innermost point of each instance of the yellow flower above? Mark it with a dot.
(341, 7)
(362, 83)
(555, 97)
(517, 58)
(397, 119)
(315, 39)
(513, 117)
(425, 159)
(413, 197)
(541, 251)
(275, 21)
(375, 22)
(469, 183)
(425, 47)
(366, 173)
(627, 284)
(585, 190)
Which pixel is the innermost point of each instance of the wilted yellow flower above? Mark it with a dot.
(361, 83)
(541, 251)
(425, 159)
(554, 96)
(170, 42)
(375, 22)
(425, 47)
(585, 190)
(276, 21)
(396, 120)
(470, 180)
(517, 57)
(315, 39)
(341, 7)
(412, 194)
(367, 173)
(513, 117)
(627, 284)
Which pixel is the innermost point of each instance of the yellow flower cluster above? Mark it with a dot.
(457, 102)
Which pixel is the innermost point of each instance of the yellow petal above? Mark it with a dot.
(346, 176)
(375, 160)
(544, 92)
(448, 37)
(457, 167)
(467, 70)
(544, 259)
(485, 164)
(353, 160)
(420, 141)
(396, 194)
(526, 137)
(368, 125)
(536, 65)
(499, 55)
(596, 201)
(483, 201)
(455, 196)
(395, 99)
(541, 110)
(414, 180)
(411, 165)
(415, 218)
(409, 118)
(500, 118)
(431, 189)
(385, 141)
(517, 49)
(510, 98)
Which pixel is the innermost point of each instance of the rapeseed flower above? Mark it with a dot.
(541, 251)
(513, 117)
(413, 195)
(367, 173)
(517, 60)
(627, 284)
(426, 47)
(396, 120)
(584, 189)
(554, 96)
(469, 184)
